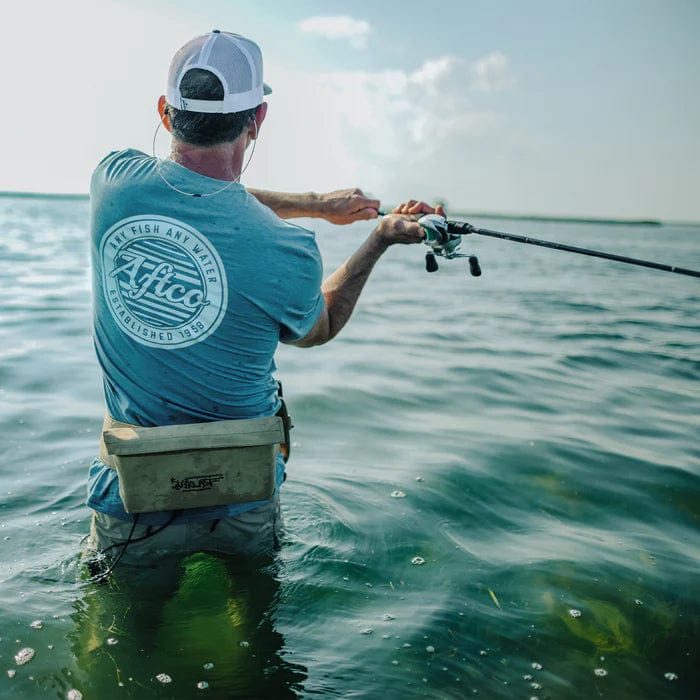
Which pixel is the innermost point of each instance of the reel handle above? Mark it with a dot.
(474, 267)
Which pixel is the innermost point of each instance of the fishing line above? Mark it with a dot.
(443, 237)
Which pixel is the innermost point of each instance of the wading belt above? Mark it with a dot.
(195, 465)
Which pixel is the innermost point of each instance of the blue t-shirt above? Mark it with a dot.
(191, 296)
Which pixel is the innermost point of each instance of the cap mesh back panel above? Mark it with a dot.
(233, 64)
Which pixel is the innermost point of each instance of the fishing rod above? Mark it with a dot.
(444, 237)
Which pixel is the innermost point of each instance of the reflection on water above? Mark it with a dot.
(204, 622)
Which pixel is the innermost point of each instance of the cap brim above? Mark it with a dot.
(266, 89)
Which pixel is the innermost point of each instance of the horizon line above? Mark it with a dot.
(478, 214)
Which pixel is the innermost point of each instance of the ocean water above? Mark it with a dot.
(494, 490)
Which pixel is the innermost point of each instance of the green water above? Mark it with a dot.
(530, 435)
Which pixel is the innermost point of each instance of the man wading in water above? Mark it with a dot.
(195, 282)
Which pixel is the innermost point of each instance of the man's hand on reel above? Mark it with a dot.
(401, 224)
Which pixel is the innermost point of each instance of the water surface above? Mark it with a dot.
(530, 436)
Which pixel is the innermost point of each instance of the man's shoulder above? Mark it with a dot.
(121, 158)
(286, 238)
(120, 155)
(124, 162)
(282, 229)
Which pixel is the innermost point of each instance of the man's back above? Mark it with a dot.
(192, 294)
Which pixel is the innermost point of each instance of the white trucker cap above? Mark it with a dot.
(233, 59)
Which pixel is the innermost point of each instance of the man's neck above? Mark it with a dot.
(222, 162)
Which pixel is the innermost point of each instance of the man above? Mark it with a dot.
(195, 281)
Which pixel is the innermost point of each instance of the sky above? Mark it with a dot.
(546, 107)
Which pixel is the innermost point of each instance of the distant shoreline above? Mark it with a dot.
(472, 214)
(43, 195)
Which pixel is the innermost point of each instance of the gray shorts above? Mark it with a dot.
(257, 531)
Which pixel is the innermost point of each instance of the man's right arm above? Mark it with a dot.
(342, 289)
(337, 207)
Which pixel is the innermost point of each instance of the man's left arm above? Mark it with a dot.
(337, 207)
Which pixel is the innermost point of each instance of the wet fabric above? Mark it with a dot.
(255, 532)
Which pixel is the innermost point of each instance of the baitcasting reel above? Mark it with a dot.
(443, 243)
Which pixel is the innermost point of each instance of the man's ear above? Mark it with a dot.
(163, 111)
(259, 117)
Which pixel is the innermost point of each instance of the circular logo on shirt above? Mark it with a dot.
(164, 283)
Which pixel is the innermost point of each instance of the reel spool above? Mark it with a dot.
(443, 244)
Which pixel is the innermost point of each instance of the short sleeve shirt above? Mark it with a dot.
(191, 296)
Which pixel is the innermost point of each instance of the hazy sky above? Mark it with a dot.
(581, 107)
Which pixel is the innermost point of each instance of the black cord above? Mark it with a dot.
(102, 576)
(129, 540)
(144, 537)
